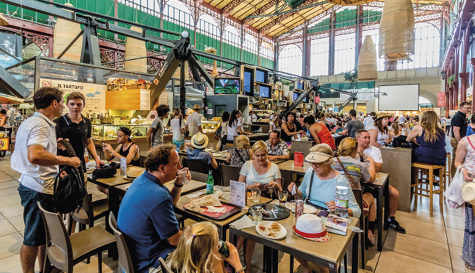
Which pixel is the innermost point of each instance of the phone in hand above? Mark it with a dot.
(323, 213)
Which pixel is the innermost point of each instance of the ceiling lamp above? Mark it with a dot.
(349, 2)
(135, 48)
(396, 31)
(367, 61)
(212, 50)
(64, 33)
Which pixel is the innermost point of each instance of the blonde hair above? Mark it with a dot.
(259, 146)
(242, 142)
(347, 146)
(196, 249)
(430, 124)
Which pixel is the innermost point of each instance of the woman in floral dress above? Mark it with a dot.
(465, 159)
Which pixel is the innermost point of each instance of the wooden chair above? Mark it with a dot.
(90, 212)
(424, 175)
(125, 261)
(64, 251)
(448, 170)
(229, 173)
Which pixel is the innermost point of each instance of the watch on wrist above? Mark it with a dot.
(176, 185)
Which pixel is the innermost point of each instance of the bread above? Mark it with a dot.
(206, 200)
(275, 227)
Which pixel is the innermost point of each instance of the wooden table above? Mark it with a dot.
(108, 183)
(222, 225)
(287, 169)
(381, 186)
(328, 254)
(116, 193)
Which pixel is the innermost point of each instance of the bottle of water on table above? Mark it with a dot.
(341, 196)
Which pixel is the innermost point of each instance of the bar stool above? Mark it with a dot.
(423, 174)
(448, 170)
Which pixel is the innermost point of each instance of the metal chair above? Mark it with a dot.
(64, 251)
(125, 261)
(196, 165)
(229, 173)
(90, 212)
(199, 176)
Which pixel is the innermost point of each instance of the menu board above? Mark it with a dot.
(237, 193)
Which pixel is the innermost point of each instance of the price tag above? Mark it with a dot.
(237, 193)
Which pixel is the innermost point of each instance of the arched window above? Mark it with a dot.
(177, 12)
(231, 35)
(344, 53)
(207, 25)
(319, 57)
(426, 48)
(290, 60)
(266, 51)
(250, 44)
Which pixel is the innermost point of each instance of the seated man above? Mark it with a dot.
(198, 143)
(366, 149)
(146, 215)
(276, 147)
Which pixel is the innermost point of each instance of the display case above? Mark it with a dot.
(109, 131)
(209, 126)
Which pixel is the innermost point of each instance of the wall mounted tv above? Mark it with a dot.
(262, 75)
(228, 85)
(247, 75)
(299, 85)
(265, 91)
(296, 95)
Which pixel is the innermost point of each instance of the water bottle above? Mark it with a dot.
(210, 183)
(341, 197)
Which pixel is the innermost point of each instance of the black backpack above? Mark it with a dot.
(401, 141)
(70, 189)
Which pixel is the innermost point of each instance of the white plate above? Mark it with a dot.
(268, 233)
(307, 209)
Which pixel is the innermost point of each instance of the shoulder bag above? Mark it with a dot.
(354, 185)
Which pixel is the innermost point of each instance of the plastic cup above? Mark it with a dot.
(183, 174)
(256, 216)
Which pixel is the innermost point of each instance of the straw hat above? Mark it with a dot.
(310, 227)
(199, 141)
(196, 107)
(468, 192)
(315, 156)
(133, 172)
(381, 115)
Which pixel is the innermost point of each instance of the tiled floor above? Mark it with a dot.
(432, 244)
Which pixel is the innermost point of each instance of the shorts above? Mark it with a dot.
(34, 228)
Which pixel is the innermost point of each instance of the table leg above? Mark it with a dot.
(380, 218)
(354, 254)
(114, 202)
(275, 260)
(222, 233)
(386, 205)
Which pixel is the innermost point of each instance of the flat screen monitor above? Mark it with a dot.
(265, 91)
(248, 81)
(305, 99)
(299, 85)
(262, 75)
(296, 95)
(399, 97)
(227, 85)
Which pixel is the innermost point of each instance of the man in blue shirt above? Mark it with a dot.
(146, 214)
(199, 142)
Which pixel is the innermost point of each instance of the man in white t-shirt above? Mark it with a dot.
(369, 120)
(193, 122)
(366, 149)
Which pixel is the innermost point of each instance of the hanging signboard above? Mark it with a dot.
(94, 93)
(440, 99)
(13, 45)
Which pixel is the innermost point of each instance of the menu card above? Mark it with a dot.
(298, 159)
(237, 193)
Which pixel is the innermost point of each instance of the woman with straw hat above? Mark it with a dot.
(379, 131)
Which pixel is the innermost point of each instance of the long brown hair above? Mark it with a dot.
(430, 124)
(395, 128)
(379, 124)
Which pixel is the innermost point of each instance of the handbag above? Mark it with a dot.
(354, 185)
(105, 172)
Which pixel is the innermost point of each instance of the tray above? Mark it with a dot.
(280, 211)
(230, 211)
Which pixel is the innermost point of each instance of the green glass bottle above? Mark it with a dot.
(210, 183)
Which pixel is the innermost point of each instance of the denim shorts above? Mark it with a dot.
(34, 228)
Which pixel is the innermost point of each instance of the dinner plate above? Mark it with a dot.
(307, 209)
(264, 229)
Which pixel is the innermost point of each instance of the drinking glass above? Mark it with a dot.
(256, 195)
(283, 195)
(256, 216)
(183, 174)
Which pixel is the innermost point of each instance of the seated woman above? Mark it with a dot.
(319, 186)
(431, 139)
(258, 173)
(198, 251)
(237, 157)
(196, 152)
(359, 172)
(379, 132)
(276, 124)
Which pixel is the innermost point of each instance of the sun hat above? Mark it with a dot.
(196, 107)
(316, 156)
(134, 171)
(310, 227)
(381, 115)
(199, 141)
(468, 192)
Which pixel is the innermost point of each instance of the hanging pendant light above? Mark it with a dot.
(3, 21)
(135, 48)
(396, 31)
(350, 2)
(64, 33)
(212, 50)
(367, 61)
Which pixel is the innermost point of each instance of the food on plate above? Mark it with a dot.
(206, 200)
(263, 228)
(275, 227)
(265, 213)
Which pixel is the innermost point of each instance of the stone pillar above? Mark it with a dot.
(473, 81)
(463, 85)
(451, 99)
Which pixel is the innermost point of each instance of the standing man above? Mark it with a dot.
(276, 147)
(369, 120)
(155, 131)
(366, 149)
(35, 158)
(146, 215)
(75, 127)
(253, 116)
(193, 122)
(402, 119)
(459, 129)
(352, 126)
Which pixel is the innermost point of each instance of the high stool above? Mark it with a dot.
(448, 170)
(423, 174)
